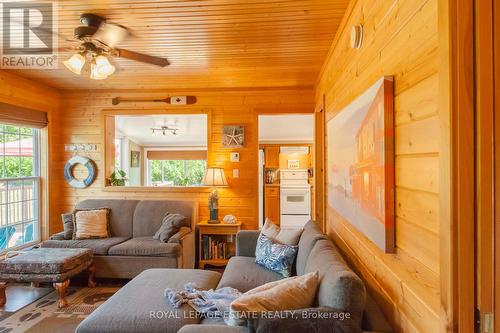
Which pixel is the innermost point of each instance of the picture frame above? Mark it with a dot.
(135, 158)
(233, 136)
(360, 162)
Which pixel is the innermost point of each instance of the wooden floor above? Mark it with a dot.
(20, 295)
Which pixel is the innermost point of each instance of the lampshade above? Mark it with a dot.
(75, 63)
(94, 73)
(103, 66)
(214, 177)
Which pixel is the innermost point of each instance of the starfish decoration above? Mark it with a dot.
(234, 137)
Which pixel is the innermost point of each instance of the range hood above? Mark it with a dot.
(301, 150)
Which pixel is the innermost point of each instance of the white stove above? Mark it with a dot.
(295, 198)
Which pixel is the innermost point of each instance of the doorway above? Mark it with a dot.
(286, 169)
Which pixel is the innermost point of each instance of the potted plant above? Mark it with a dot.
(118, 178)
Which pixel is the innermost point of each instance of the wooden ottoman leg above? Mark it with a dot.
(3, 298)
(91, 281)
(61, 290)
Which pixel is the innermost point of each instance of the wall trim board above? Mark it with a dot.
(456, 102)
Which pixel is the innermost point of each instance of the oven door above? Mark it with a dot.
(295, 201)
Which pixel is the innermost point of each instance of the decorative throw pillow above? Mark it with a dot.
(284, 236)
(293, 293)
(91, 223)
(169, 226)
(68, 225)
(275, 256)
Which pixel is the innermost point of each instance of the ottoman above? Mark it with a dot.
(141, 307)
(45, 265)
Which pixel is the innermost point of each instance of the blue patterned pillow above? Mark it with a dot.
(275, 256)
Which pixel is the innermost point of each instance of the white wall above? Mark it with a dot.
(286, 128)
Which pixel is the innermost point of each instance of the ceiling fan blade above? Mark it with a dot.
(112, 34)
(127, 54)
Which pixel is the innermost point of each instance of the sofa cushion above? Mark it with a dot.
(122, 212)
(309, 236)
(67, 220)
(170, 225)
(98, 246)
(91, 223)
(148, 215)
(274, 255)
(145, 246)
(282, 235)
(340, 287)
(140, 305)
(296, 292)
(243, 273)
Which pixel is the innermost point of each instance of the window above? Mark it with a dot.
(118, 154)
(176, 172)
(19, 190)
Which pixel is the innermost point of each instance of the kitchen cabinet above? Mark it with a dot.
(272, 156)
(272, 204)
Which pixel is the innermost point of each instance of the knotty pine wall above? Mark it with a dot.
(80, 121)
(29, 94)
(400, 39)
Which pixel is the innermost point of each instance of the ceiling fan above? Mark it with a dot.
(98, 41)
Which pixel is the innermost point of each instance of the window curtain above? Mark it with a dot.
(16, 115)
(177, 155)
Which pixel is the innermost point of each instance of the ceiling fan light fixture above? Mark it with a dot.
(95, 74)
(104, 66)
(75, 63)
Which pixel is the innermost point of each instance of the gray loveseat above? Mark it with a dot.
(141, 307)
(131, 248)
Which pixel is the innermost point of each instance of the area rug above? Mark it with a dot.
(43, 315)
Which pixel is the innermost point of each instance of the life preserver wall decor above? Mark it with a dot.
(68, 172)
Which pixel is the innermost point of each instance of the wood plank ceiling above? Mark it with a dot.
(210, 43)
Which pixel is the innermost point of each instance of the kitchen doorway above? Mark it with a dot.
(286, 169)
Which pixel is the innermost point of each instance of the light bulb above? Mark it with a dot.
(94, 73)
(104, 67)
(75, 63)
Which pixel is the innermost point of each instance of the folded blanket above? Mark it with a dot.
(210, 303)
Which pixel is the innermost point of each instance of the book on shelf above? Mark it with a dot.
(214, 248)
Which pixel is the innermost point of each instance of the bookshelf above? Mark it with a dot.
(216, 243)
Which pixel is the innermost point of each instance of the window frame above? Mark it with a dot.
(36, 178)
(108, 121)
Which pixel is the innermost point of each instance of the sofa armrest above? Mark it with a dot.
(179, 235)
(246, 241)
(58, 236)
(200, 328)
(185, 239)
(321, 319)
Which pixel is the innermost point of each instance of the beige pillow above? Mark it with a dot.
(91, 223)
(296, 292)
(283, 236)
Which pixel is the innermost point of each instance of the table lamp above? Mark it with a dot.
(214, 177)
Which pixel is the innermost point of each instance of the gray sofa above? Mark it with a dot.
(131, 248)
(140, 306)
